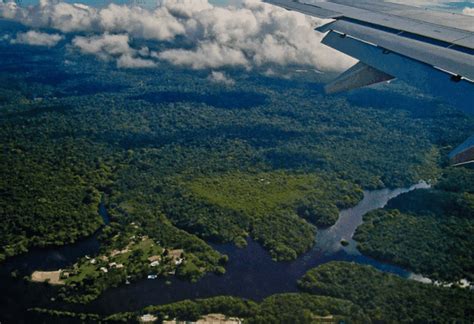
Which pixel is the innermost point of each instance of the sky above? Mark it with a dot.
(454, 5)
(101, 3)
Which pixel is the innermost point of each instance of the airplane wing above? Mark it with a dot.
(431, 50)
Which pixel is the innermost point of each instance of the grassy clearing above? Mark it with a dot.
(262, 194)
(281, 208)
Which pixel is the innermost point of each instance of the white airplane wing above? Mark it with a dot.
(431, 50)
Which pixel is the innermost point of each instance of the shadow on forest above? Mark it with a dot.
(226, 100)
(38, 111)
(263, 136)
(91, 88)
(52, 78)
(257, 136)
(418, 107)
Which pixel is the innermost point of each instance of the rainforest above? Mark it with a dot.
(167, 174)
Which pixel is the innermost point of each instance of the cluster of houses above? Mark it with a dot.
(176, 256)
(206, 319)
(112, 265)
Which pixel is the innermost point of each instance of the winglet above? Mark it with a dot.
(360, 75)
(464, 153)
(326, 27)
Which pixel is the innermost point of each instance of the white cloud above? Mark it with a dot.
(10, 10)
(75, 17)
(252, 35)
(468, 11)
(117, 47)
(255, 35)
(220, 78)
(104, 46)
(158, 24)
(184, 8)
(207, 55)
(128, 61)
(37, 39)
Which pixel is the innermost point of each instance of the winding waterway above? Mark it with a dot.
(251, 273)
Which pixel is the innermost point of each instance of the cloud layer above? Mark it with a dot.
(196, 34)
(35, 38)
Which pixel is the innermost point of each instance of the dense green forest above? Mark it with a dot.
(331, 292)
(181, 160)
(428, 231)
(386, 297)
(298, 308)
(280, 308)
(46, 202)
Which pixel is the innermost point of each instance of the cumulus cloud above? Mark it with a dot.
(468, 11)
(251, 35)
(184, 8)
(104, 46)
(158, 24)
(10, 10)
(220, 78)
(128, 61)
(35, 38)
(207, 55)
(108, 47)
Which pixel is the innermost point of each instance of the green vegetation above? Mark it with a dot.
(317, 197)
(130, 257)
(428, 231)
(388, 298)
(457, 180)
(42, 315)
(280, 308)
(332, 292)
(46, 202)
(90, 276)
(306, 308)
(192, 310)
(273, 201)
(169, 153)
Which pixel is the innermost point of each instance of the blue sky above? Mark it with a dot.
(99, 3)
(451, 5)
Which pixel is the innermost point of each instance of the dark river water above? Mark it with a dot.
(251, 273)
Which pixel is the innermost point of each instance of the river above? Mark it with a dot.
(251, 273)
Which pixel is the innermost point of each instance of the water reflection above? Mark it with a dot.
(329, 240)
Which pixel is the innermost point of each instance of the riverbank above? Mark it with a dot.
(430, 232)
(250, 273)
